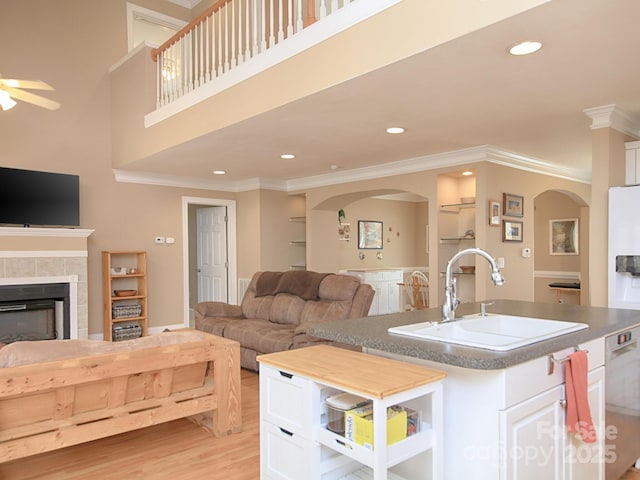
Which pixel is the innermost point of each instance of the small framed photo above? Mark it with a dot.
(563, 236)
(513, 205)
(511, 231)
(494, 213)
(369, 235)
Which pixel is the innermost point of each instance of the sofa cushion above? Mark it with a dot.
(324, 310)
(338, 287)
(256, 307)
(286, 309)
(260, 335)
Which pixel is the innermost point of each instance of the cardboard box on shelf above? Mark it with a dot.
(359, 425)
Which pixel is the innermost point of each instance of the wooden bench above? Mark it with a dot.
(49, 405)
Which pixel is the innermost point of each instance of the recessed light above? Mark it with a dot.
(467, 173)
(287, 156)
(525, 48)
(219, 172)
(395, 130)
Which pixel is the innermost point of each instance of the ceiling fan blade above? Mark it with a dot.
(32, 98)
(30, 84)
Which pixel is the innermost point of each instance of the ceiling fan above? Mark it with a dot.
(12, 88)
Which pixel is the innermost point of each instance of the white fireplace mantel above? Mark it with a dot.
(44, 232)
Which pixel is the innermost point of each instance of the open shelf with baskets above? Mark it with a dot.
(124, 292)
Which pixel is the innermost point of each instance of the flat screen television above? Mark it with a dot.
(31, 198)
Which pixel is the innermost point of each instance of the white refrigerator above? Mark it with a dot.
(624, 247)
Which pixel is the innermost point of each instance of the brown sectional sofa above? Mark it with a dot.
(279, 307)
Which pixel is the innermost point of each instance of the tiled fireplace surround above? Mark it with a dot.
(49, 255)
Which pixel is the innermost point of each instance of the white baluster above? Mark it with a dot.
(289, 18)
(280, 22)
(272, 38)
(185, 77)
(207, 55)
(234, 51)
(201, 41)
(220, 71)
(158, 77)
(226, 33)
(299, 21)
(263, 33)
(254, 45)
(247, 31)
(323, 8)
(171, 74)
(334, 5)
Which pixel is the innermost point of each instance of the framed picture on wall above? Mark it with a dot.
(369, 235)
(494, 213)
(511, 231)
(513, 205)
(563, 236)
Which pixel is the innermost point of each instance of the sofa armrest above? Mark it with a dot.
(217, 309)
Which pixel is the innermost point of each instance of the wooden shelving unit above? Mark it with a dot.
(124, 270)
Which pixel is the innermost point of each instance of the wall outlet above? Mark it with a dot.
(159, 240)
(171, 240)
(526, 252)
(500, 262)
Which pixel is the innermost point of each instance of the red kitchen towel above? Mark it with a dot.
(578, 417)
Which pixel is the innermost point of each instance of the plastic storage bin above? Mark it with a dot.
(337, 405)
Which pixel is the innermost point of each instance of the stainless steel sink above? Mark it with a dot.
(492, 332)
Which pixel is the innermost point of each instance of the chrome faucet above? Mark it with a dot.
(451, 300)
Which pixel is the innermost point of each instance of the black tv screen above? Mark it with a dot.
(39, 198)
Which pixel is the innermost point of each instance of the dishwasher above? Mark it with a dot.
(622, 398)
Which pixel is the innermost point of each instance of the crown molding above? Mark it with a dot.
(610, 116)
(163, 180)
(483, 153)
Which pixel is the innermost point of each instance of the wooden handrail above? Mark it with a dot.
(187, 28)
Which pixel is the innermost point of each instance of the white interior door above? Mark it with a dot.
(212, 261)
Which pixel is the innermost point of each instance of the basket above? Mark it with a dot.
(126, 331)
(126, 311)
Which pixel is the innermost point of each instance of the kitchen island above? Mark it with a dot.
(504, 411)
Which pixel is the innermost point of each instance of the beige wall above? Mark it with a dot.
(548, 206)
(439, 187)
(403, 234)
(71, 45)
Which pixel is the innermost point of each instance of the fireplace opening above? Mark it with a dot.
(34, 312)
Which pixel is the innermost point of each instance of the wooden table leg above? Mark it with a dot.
(227, 418)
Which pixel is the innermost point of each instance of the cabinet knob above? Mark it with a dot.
(563, 403)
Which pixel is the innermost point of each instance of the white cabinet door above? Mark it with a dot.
(531, 439)
(584, 460)
(537, 444)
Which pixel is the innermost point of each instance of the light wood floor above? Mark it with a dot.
(177, 450)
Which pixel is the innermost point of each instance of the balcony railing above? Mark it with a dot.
(228, 34)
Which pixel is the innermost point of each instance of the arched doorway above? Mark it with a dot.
(561, 248)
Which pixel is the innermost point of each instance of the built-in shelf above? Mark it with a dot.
(299, 243)
(297, 219)
(455, 207)
(455, 239)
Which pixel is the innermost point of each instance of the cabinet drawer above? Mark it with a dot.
(530, 378)
(285, 400)
(284, 455)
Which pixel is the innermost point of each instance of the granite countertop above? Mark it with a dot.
(371, 332)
